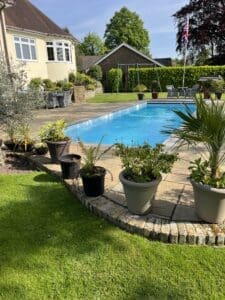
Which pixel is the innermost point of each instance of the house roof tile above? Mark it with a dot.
(24, 15)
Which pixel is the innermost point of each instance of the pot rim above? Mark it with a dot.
(138, 184)
(205, 187)
(59, 142)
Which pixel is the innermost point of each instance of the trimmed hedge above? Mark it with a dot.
(171, 75)
(115, 76)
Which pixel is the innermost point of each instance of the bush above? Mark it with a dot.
(53, 131)
(90, 87)
(172, 75)
(67, 86)
(48, 84)
(140, 88)
(95, 72)
(35, 83)
(72, 77)
(115, 79)
(83, 79)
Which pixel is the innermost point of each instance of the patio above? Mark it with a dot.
(172, 218)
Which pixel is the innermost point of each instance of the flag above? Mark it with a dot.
(185, 32)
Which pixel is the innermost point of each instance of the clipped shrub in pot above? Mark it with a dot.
(140, 89)
(141, 175)
(58, 143)
(207, 126)
(93, 177)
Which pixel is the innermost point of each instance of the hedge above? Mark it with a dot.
(171, 75)
(115, 79)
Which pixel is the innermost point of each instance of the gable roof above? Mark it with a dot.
(85, 62)
(24, 15)
(132, 49)
(165, 61)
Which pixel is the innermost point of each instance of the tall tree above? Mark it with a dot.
(126, 26)
(207, 26)
(92, 45)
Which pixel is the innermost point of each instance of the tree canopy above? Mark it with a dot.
(126, 26)
(207, 27)
(92, 45)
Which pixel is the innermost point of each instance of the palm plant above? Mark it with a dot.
(206, 126)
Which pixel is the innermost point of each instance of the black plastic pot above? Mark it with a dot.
(94, 185)
(141, 96)
(218, 95)
(70, 165)
(41, 150)
(58, 149)
(12, 146)
(154, 95)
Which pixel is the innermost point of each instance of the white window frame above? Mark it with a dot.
(64, 46)
(29, 43)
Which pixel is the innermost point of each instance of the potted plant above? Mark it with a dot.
(70, 165)
(41, 148)
(207, 127)
(93, 177)
(24, 141)
(206, 88)
(155, 89)
(53, 134)
(141, 175)
(140, 89)
(218, 88)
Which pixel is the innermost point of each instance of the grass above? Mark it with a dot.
(120, 97)
(53, 248)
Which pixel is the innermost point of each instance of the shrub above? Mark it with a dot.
(48, 84)
(72, 77)
(67, 86)
(35, 83)
(144, 163)
(95, 72)
(140, 88)
(172, 75)
(115, 79)
(83, 79)
(60, 84)
(53, 131)
(217, 86)
(90, 87)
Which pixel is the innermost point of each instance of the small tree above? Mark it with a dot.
(16, 103)
(95, 72)
(115, 79)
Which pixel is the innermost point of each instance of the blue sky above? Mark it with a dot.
(85, 16)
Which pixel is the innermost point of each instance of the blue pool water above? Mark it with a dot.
(135, 125)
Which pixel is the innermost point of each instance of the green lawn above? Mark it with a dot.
(120, 97)
(53, 248)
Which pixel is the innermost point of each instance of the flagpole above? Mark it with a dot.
(184, 68)
(185, 34)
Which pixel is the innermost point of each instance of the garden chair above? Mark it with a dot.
(171, 91)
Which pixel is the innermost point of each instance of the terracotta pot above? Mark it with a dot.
(154, 95)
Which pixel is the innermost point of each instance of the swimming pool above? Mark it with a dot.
(135, 125)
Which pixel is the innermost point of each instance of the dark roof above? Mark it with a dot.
(85, 62)
(24, 15)
(167, 62)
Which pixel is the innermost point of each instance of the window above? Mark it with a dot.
(58, 51)
(25, 48)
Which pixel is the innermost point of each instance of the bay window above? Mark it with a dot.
(58, 51)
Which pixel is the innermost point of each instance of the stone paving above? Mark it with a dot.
(172, 217)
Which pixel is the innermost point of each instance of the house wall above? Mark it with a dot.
(121, 56)
(41, 67)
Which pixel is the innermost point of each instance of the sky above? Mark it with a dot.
(84, 16)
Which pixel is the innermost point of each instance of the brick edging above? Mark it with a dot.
(150, 226)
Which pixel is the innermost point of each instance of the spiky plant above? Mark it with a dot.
(206, 126)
